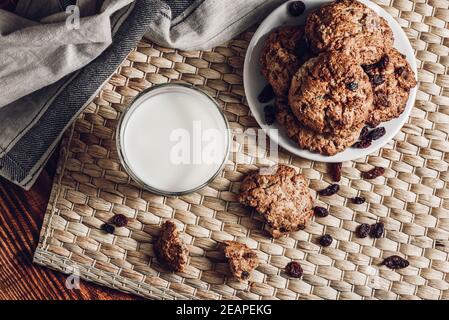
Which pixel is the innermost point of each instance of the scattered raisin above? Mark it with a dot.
(294, 269)
(270, 114)
(363, 144)
(245, 275)
(326, 240)
(373, 173)
(363, 230)
(396, 262)
(377, 79)
(358, 200)
(331, 190)
(120, 220)
(335, 169)
(296, 8)
(376, 133)
(383, 63)
(353, 86)
(321, 212)
(108, 228)
(266, 95)
(377, 230)
(364, 133)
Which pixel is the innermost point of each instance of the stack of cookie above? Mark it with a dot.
(335, 75)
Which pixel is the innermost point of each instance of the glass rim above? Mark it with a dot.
(124, 118)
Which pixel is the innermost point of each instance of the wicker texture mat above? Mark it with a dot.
(412, 199)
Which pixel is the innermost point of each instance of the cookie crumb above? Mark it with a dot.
(242, 260)
(170, 249)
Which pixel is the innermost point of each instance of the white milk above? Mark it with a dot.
(174, 139)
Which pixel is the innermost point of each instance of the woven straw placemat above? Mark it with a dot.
(412, 198)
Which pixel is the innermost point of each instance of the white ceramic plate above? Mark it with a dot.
(254, 82)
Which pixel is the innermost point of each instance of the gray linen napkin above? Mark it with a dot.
(49, 71)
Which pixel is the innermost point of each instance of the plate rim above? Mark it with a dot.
(357, 153)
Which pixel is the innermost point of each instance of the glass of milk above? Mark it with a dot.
(173, 139)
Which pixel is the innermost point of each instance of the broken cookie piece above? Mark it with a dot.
(242, 260)
(281, 195)
(169, 249)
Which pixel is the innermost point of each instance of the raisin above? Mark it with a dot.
(245, 275)
(270, 114)
(383, 63)
(335, 169)
(294, 269)
(404, 74)
(396, 262)
(250, 255)
(377, 133)
(120, 220)
(296, 8)
(321, 212)
(369, 68)
(326, 240)
(331, 190)
(399, 71)
(377, 79)
(266, 95)
(353, 86)
(373, 173)
(363, 144)
(364, 133)
(358, 200)
(377, 230)
(108, 228)
(363, 230)
(302, 47)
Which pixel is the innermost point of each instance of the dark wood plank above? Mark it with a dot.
(21, 216)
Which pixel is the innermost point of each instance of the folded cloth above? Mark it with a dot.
(52, 64)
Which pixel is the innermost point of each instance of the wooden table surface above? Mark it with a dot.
(21, 216)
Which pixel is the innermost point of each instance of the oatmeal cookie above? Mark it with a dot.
(351, 27)
(392, 78)
(327, 144)
(279, 194)
(169, 248)
(331, 94)
(242, 260)
(281, 56)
